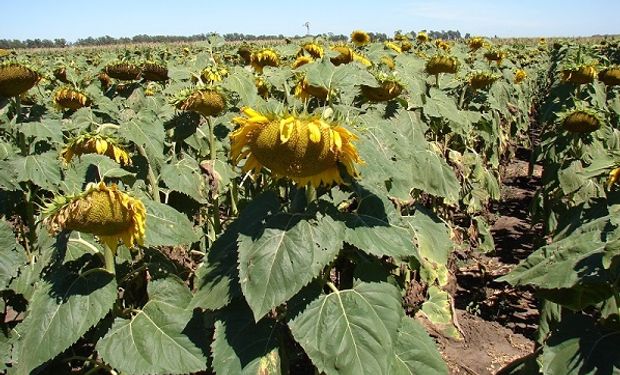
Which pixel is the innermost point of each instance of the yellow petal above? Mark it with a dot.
(337, 139)
(101, 146)
(314, 132)
(286, 128)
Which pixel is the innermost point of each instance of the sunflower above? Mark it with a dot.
(361, 59)
(304, 91)
(422, 37)
(360, 38)
(4, 53)
(206, 101)
(105, 80)
(520, 76)
(245, 53)
(388, 87)
(442, 44)
(579, 75)
(301, 60)
(405, 45)
(154, 72)
(305, 150)
(613, 178)
(262, 87)
(313, 50)
(476, 43)
(388, 62)
(442, 64)
(60, 74)
(495, 55)
(581, 120)
(263, 58)
(102, 210)
(16, 79)
(95, 144)
(123, 71)
(212, 74)
(69, 98)
(345, 55)
(610, 76)
(393, 46)
(479, 80)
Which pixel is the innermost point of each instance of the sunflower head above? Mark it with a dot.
(123, 71)
(313, 49)
(102, 210)
(263, 58)
(389, 87)
(422, 37)
(496, 55)
(481, 80)
(388, 62)
(345, 55)
(95, 144)
(70, 98)
(360, 38)
(476, 43)
(305, 90)
(262, 87)
(443, 45)
(405, 45)
(579, 75)
(4, 53)
(581, 120)
(520, 76)
(60, 74)
(154, 72)
(206, 101)
(105, 80)
(16, 79)
(304, 150)
(442, 64)
(393, 46)
(245, 53)
(610, 76)
(301, 60)
(212, 74)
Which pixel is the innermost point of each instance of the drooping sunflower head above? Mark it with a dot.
(581, 119)
(123, 71)
(306, 150)
(105, 80)
(102, 210)
(60, 73)
(442, 64)
(476, 43)
(301, 60)
(358, 57)
(245, 52)
(520, 76)
(95, 144)
(304, 90)
(388, 62)
(263, 58)
(16, 79)
(206, 101)
(579, 74)
(212, 74)
(405, 45)
(495, 55)
(610, 76)
(482, 79)
(422, 37)
(313, 49)
(4, 53)
(360, 38)
(262, 87)
(388, 87)
(154, 72)
(443, 45)
(69, 98)
(393, 46)
(345, 55)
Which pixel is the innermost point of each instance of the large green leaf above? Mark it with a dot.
(242, 346)
(351, 331)
(146, 131)
(42, 170)
(166, 226)
(437, 308)
(184, 176)
(579, 346)
(415, 352)
(61, 311)
(440, 105)
(50, 130)
(90, 168)
(160, 338)
(241, 81)
(11, 257)
(288, 252)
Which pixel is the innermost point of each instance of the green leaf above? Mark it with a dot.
(61, 311)
(289, 251)
(434, 245)
(242, 346)
(11, 257)
(351, 331)
(415, 352)
(50, 130)
(158, 339)
(42, 170)
(90, 168)
(580, 346)
(241, 81)
(166, 226)
(437, 309)
(184, 176)
(429, 173)
(8, 176)
(440, 105)
(146, 131)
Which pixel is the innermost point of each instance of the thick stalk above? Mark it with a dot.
(234, 198)
(108, 256)
(32, 233)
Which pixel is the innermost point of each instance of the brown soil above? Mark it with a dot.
(497, 320)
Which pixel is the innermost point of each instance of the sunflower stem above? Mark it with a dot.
(21, 138)
(212, 152)
(217, 226)
(437, 79)
(332, 287)
(310, 194)
(108, 256)
(32, 234)
(151, 175)
(234, 198)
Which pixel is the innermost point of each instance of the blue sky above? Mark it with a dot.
(72, 19)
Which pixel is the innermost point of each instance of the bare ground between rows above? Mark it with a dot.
(498, 321)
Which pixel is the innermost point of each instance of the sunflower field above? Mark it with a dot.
(222, 208)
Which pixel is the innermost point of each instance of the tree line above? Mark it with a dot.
(231, 37)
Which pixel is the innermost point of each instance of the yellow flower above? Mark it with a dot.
(386, 91)
(520, 75)
(212, 74)
(313, 49)
(95, 144)
(479, 80)
(442, 44)
(360, 38)
(394, 47)
(16, 79)
(304, 90)
(68, 98)
(154, 72)
(207, 102)
(581, 120)
(301, 60)
(106, 212)
(442, 64)
(123, 71)
(495, 55)
(422, 37)
(614, 175)
(610, 76)
(345, 56)
(304, 150)
(580, 75)
(263, 58)
(476, 43)
(361, 59)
